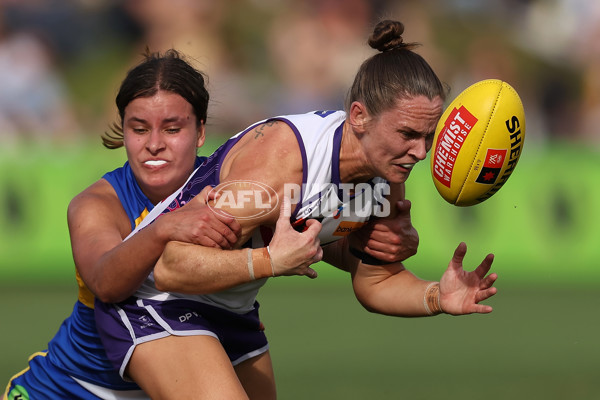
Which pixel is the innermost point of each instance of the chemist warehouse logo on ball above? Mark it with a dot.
(457, 127)
(251, 199)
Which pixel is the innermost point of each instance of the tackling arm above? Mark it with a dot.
(255, 158)
(112, 268)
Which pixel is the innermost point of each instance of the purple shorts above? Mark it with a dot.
(124, 325)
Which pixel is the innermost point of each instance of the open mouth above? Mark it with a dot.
(407, 166)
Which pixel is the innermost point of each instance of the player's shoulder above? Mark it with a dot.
(270, 140)
(99, 195)
(309, 119)
(272, 131)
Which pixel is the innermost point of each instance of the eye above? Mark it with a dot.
(429, 138)
(173, 130)
(139, 131)
(411, 135)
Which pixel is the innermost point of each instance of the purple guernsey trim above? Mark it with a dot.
(304, 159)
(335, 155)
(226, 147)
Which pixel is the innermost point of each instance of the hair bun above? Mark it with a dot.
(387, 35)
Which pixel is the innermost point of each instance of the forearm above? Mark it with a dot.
(390, 290)
(338, 255)
(119, 272)
(191, 269)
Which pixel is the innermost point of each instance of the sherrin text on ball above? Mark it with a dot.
(478, 142)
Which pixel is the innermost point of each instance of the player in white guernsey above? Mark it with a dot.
(342, 164)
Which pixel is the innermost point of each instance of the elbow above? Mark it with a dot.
(371, 304)
(365, 299)
(162, 280)
(372, 299)
(163, 272)
(167, 271)
(109, 294)
(368, 306)
(162, 283)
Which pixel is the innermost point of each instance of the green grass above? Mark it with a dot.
(540, 342)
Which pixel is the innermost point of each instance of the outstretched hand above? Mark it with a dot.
(390, 239)
(293, 252)
(462, 291)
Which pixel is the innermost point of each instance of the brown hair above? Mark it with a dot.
(396, 72)
(168, 72)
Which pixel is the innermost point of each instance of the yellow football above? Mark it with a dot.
(478, 142)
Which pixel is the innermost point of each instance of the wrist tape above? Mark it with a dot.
(259, 264)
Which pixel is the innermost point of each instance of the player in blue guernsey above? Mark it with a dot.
(162, 105)
(196, 314)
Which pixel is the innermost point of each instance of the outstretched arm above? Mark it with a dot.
(393, 290)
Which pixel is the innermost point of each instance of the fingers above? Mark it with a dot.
(482, 309)
(231, 228)
(459, 255)
(223, 237)
(207, 193)
(403, 207)
(488, 281)
(485, 266)
(313, 227)
(216, 241)
(485, 294)
(285, 211)
(319, 256)
(311, 273)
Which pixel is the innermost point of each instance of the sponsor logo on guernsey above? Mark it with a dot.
(494, 159)
(347, 227)
(456, 128)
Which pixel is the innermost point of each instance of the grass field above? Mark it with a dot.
(539, 343)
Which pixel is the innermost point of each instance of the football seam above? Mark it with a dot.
(495, 107)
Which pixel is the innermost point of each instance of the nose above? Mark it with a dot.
(155, 142)
(419, 149)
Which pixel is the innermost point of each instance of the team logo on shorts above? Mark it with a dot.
(18, 393)
(145, 321)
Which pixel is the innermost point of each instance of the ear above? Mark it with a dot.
(201, 136)
(359, 116)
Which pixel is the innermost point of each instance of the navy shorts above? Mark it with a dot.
(124, 325)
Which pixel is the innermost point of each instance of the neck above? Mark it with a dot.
(354, 166)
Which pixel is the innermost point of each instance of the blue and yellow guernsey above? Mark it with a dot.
(76, 348)
(75, 363)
